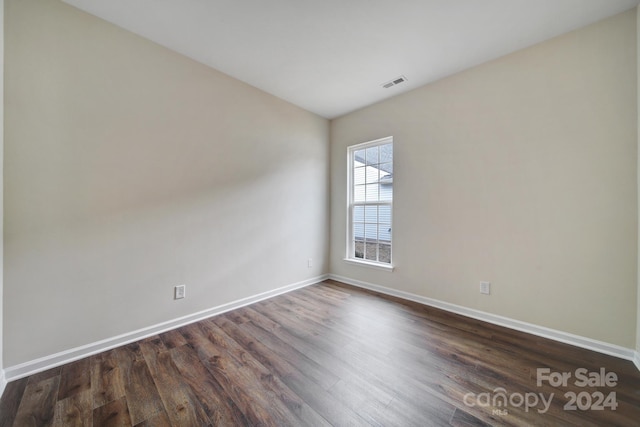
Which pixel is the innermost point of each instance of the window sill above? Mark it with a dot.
(384, 267)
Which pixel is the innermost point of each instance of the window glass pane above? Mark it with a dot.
(386, 169)
(371, 251)
(384, 253)
(384, 233)
(358, 249)
(386, 192)
(371, 214)
(359, 156)
(358, 231)
(386, 153)
(373, 191)
(359, 176)
(358, 193)
(371, 232)
(358, 214)
(384, 215)
(372, 155)
(373, 175)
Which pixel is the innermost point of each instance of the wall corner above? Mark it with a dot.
(637, 357)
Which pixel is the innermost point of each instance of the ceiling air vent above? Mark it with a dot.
(394, 82)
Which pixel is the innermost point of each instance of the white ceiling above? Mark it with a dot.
(332, 56)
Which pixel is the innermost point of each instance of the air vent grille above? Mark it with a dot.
(394, 82)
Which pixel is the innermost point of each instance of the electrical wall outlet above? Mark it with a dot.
(485, 288)
(309, 263)
(180, 291)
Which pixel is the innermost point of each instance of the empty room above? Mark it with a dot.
(319, 213)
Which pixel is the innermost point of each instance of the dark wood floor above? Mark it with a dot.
(328, 354)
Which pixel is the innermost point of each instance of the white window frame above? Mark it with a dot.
(350, 257)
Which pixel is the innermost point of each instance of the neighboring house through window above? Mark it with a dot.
(370, 202)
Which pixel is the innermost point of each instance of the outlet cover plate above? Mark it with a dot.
(180, 291)
(485, 288)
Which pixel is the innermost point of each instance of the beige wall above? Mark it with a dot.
(1, 182)
(638, 103)
(130, 169)
(521, 172)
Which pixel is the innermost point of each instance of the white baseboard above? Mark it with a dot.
(42, 364)
(541, 331)
(3, 382)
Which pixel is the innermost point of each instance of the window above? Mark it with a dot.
(370, 202)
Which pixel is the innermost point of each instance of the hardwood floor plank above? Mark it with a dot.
(45, 375)
(113, 414)
(322, 367)
(237, 317)
(371, 407)
(329, 335)
(11, 401)
(371, 385)
(338, 344)
(294, 376)
(74, 411)
(173, 339)
(241, 394)
(270, 369)
(232, 373)
(285, 347)
(151, 347)
(422, 409)
(463, 419)
(220, 408)
(75, 378)
(106, 378)
(180, 403)
(37, 406)
(142, 396)
(159, 420)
